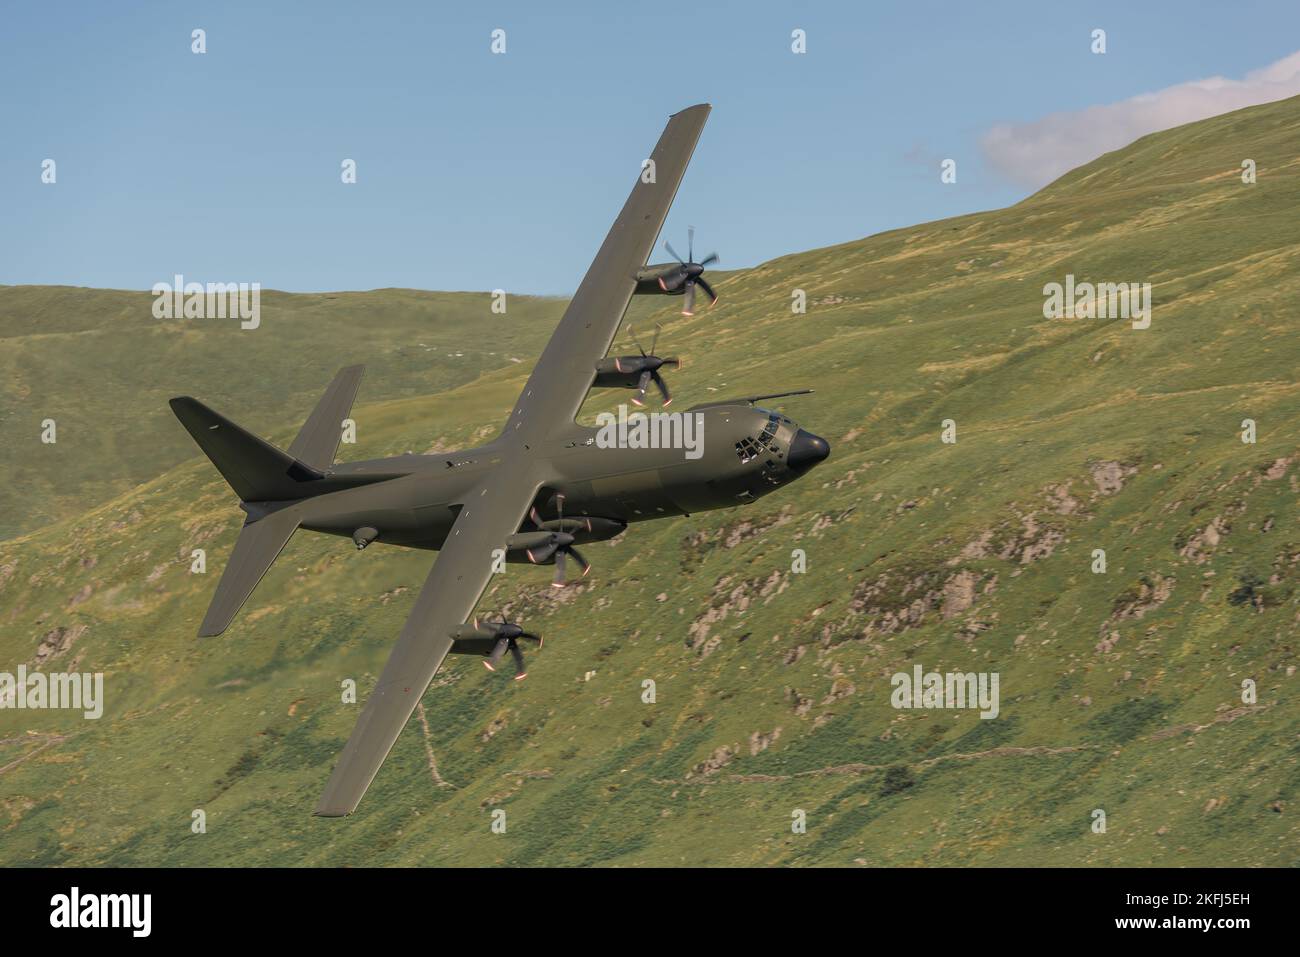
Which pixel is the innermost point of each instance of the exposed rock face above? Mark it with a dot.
(801, 704)
(57, 641)
(1278, 468)
(495, 726)
(729, 536)
(1035, 543)
(841, 687)
(898, 600)
(1109, 477)
(977, 547)
(1146, 595)
(728, 600)
(1031, 542)
(713, 763)
(958, 593)
(1060, 500)
(758, 741)
(823, 522)
(1201, 544)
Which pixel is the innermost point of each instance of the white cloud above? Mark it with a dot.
(1034, 154)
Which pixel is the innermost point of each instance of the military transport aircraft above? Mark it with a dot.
(542, 487)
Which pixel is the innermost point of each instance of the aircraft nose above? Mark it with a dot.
(806, 450)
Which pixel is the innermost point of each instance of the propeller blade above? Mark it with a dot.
(577, 557)
(672, 361)
(644, 381)
(690, 243)
(655, 341)
(663, 389)
(494, 659)
(672, 252)
(559, 506)
(635, 341)
(688, 307)
(539, 555)
(518, 655)
(709, 260)
(531, 637)
(713, 296)
(673, 281)
(558, 580)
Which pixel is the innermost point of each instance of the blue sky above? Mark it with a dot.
(478, 171)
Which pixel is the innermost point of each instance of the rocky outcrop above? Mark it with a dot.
(57, 641)
(1109, 477)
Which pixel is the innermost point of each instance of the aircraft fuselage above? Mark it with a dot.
(743, 454)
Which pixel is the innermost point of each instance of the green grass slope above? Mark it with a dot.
(1120, 692)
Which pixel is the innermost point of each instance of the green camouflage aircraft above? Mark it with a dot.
(545, 485)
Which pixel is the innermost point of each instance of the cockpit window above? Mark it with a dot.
(750, 448)
(747, 449)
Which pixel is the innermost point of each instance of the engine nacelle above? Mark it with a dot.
(576, 529)
(491, 640)
(662, 279)
(624, 372)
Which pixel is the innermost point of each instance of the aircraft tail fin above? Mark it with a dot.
(269, 481)
(260, 543)
(319, 439)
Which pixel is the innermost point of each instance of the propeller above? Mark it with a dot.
(691, 274)
(650, 365)
(560, 546)
(508, 636)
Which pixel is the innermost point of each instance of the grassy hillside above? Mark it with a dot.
(1120, 691)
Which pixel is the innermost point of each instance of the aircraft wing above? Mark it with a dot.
(493, 511)
(567, 367)
(488, 515)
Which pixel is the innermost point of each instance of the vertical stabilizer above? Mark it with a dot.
(319, 439)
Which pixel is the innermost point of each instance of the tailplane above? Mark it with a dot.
(269, 481)
(255, 469)
(259, 544)
(260, 472)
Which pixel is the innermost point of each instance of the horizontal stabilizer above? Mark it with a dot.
(255, 469)
(319, 439)
(258, 546)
